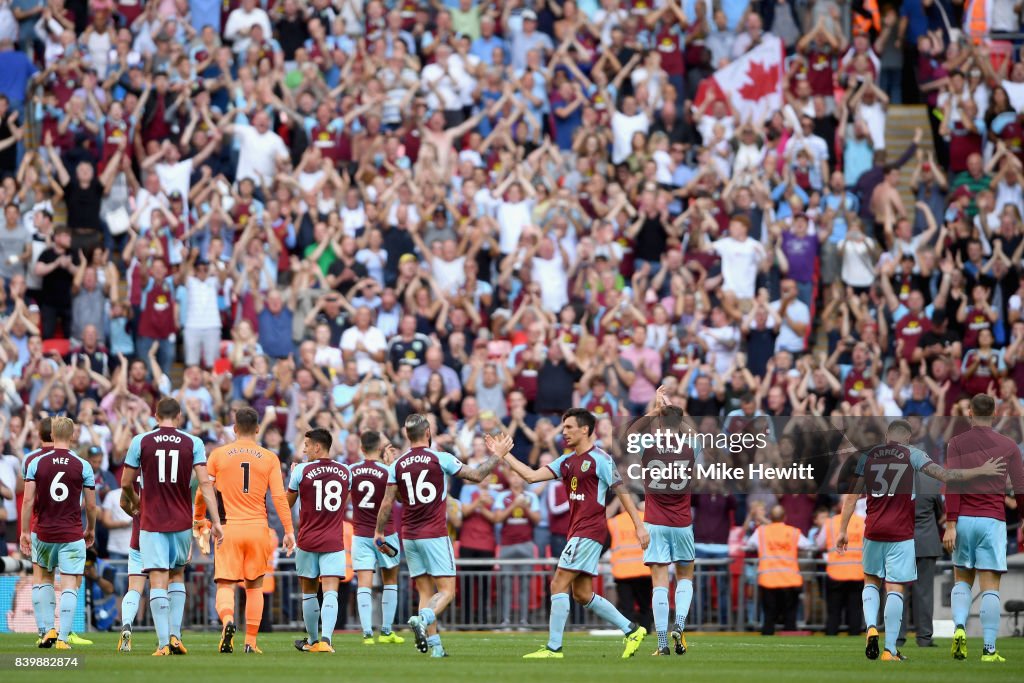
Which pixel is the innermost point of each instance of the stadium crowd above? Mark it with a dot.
(343, 212)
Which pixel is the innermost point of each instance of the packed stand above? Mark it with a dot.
(341, 213)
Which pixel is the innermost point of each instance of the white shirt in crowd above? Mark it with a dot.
(258, 154)
(554, 274)
(788, 340)
(241, 21)
(373, 341)
(741, 262)
(623, 128)
(118, 540)
(201, 312)
(512, 218)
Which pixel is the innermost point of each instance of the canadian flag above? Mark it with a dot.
(753, 82)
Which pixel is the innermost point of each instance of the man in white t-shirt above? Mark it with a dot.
(440, 81)
(448, 268)
(742, 259)
(364, 343)
(175, 173)
(119, 524)
(550, 266)
(624, 124)
(721, 339)
(513, 216)
(242, 19)
(794, 317)
(260, 149)
(10, 470)
(201, 317)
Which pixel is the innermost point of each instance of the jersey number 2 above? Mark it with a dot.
(368, 489)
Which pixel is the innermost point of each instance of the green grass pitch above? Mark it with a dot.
(495, 658)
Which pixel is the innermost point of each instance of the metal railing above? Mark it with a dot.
(514, 594)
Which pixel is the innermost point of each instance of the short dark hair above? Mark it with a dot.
(369, 441)
(983, 405)
(671, 417)
(247, 421)
(584, 418)
(416, 427)
(167, 408)
(44, 430)
(320, 436)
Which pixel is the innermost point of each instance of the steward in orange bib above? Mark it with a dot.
(778, 572)
(845, 575)
(632, 577)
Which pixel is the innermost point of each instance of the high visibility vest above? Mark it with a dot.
(862, 24)
(777, 547)
(846, 566)
(976, 20)
(626, 554)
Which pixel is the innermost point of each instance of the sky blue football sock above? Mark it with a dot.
(960, 602)
(37, 607)
(160, 607)
(434, 640)
(311, 616)
(684, 596)
(47, 605)
(130, 607)
(659, 605)
(388, 607)
(68, 606)
(428, 616)
(989, 619)
(559, 615)
(893, 619)
(176, 597)
(606, 610)
(329, 614)
(871, 599)
(364, 604)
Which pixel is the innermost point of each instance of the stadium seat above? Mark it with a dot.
(61, 346)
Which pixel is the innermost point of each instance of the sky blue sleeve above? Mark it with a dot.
(134, 456)
(606, 471)
(861, 461)
(296, 477)
(198, 451)
(449, 463)
(918, 458)
(556, 465)
(392, 479)
(30, 473)
(88, 476)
